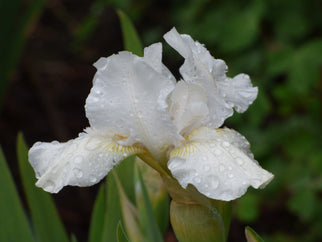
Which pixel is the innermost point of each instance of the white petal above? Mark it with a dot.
(218, 163)
(129, 98)
(187, 106)
(83, 161)
(201, 68)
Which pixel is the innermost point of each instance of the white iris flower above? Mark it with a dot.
(137, 107)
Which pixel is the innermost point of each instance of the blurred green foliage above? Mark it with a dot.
(279, 44)
(16, 20)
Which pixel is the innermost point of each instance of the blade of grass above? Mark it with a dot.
(121, 237)
(97, 221)
(131, 39)
(46, 222)
(130, 214)
(148, 221)
(113, 212)
(13, 221)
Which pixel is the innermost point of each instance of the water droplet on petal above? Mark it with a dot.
(239, 161)
(206, 167)
(78, 159)
(78, 173)
(197, 179)
(214, 183)
(230, 175)
(226, 144)
(218, 151)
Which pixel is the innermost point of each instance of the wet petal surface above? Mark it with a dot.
(129, 98)
(83, 161)
(201, 68)
(218, 163)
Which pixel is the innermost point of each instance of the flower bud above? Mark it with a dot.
(194, 222)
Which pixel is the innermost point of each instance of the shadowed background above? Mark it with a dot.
(48, 47)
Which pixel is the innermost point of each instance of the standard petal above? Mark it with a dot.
(218, 163)
(201, 68)
(129, 98)
(83, 161)
(187, 106)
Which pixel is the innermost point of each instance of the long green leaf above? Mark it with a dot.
(46, 222)
(147, 218)
(97, 221)
(130, 37)
(130, 214)
(113, 212)
(13, 222)
(121, 237)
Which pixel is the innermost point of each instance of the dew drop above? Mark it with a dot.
(214, 183)
(78, 159)
(239, 161)
(206, 167)
(197, 179)
(226, 144)
(230, 175)
(78, 173)
(218, 151)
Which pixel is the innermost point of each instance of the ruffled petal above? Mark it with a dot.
(201, 68)
(218, 163)
(129, 98)
(83, 161)
(187, 106)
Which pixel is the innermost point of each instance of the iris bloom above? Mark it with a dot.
(136, 107)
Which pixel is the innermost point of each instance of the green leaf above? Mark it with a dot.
(130, 37)
(130, 214)
(44, 216)
(121, 237)
(97, 221)
(147, 218)
(13, 222)
(113, 212)
(157, 192)
(252, 236)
